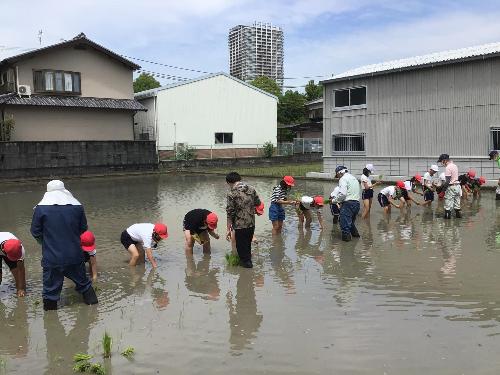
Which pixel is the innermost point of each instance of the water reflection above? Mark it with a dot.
(62, 346)
(282, 265)
(14, 329)
(244, 318)
(200, 279)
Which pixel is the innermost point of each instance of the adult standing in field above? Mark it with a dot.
(451, 186)
(367, 189)
(198, 225)
(241, 203)
(496, 157)
(58, 221)
(348, 196)
(278, 199)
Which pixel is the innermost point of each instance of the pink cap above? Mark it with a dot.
(472, 173)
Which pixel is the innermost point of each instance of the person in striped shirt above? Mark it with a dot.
(278, 199)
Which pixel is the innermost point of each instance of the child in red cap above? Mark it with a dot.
(87, 240)
(278, 199)
(198, 226)
(304, 207)
(390, 194)
(12, 253)
(139, 239)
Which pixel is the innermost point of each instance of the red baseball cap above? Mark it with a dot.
(318, 200)
(400, 184)
(87, 241)
(259, 210)
(212, 220)
(13, 249)
(418, 178)
(482, 180)
(289, 180)
(472, 173)
(161, 230)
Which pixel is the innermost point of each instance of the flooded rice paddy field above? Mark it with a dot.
(413, 295)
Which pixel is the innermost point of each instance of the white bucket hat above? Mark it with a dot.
(57, 195)
(435, 168)
(370, 167)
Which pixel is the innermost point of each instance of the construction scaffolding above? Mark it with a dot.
(255, 51)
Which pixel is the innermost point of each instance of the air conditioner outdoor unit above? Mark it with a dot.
(24, 90)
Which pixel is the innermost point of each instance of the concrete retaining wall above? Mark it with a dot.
(239, 162)
(73, 158)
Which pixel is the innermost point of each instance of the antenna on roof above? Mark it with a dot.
(40, 33)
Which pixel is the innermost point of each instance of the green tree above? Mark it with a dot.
(145, 82)
(291, 108)
(313, 91)
(267, 84)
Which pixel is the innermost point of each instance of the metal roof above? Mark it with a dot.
(418, 62)
(153, 92)
(77, 40)
(72, 102)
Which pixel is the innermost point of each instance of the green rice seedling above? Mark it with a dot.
(107, 342)
(82, 366)
(232, 259)
(128, 352)
(97, 368)
(82, 357)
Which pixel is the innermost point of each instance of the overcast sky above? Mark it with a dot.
(322, 37)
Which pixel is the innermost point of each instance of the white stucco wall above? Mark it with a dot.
(216, 104)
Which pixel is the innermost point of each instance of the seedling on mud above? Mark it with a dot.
(232, 259)
(82, 366)
(128, 352)
(107, 342)
(78, 357)
(97, 368)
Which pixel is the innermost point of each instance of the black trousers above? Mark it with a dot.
(244, 242)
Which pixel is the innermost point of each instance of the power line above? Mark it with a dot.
(167, 65)
(162, 75)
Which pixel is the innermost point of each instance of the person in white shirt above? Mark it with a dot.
(390, 194)
(349, 197)
(140, 239)
(12, 252)
(429, 183)
(304, 208)
(367, 189)
(335, 205)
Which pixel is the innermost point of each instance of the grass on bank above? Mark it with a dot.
(296, 170)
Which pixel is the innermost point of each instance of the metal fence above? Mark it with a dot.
(307, 145)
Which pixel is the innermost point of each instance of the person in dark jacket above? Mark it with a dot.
(58, 221)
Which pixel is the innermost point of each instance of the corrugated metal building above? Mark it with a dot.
(400, 115)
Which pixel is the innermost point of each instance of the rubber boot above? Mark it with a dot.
(335, 219)
(355, 233)
(346, 237)
(49, 304)
(458, 215)
(246, 264)
(89, 296)
(447, 214)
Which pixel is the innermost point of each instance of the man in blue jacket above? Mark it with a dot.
(58, 221)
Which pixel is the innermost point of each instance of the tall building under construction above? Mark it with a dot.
(256, 50)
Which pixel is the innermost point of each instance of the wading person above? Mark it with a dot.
(429, 183)
(278, 199)
(58, 221)
(12, 253)
(198, 226)
(367, 189)
(140, 240)
(349, 198)
(304, 208)
(87, 241)
(496, 157)
(389, 195)
(466, 181)
(451, 187)
(335, 205)
(411, 187)
(242, 201)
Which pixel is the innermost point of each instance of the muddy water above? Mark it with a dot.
(414, 295)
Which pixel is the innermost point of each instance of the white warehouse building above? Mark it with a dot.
(217, 114)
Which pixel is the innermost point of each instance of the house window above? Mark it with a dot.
(223, 138)
(495, 138)
(56, 82)
(352, 144)
(351, 98)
